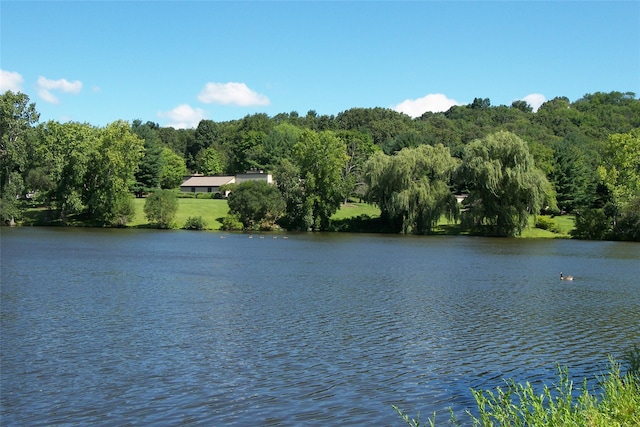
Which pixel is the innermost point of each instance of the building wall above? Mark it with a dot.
(254, 176)
(242, 177)
(200, 189)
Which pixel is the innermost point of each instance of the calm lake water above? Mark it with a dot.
(140, 327)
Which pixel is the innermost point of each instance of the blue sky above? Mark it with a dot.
(176, 63)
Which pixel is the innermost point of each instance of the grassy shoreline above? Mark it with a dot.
(214, 210)
(614, 401)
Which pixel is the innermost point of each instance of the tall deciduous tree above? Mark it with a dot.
(359, 147)
(620, 175)
(628, 224)
(321, 158)
(204, 136)
(257, 204)
(505, 185)
(621, 169)
(150, 166)
(173, 139)
(67, 151)
(247, 142)
(161, 207)
(522, 106)
(173, 169)
(299, 214)
(112, 170)
(277, 145)
(209, 162)
(16, 116)
(412, 187)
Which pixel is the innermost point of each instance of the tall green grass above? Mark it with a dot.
(615, 402)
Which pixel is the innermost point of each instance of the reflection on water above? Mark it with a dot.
(113, 327)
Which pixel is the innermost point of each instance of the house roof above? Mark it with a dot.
(208, 181)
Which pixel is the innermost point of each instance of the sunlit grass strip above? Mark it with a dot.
(352, 209)
(563, 223)
(210, 210)
(617, 404)
(213, 210)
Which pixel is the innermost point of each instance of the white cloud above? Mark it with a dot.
(46, 86)
(231, 94)
(434, 102)
(10, 80)
(183, 116)
(47, 96)
(535, 100)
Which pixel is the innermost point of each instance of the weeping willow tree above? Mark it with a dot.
(412, 187)
(505, 186)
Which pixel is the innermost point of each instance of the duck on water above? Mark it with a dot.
(565, 277)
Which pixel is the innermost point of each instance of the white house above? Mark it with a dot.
(212, 184)
(254, 176)
(205, 184)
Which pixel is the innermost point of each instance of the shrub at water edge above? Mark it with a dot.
(160, 208)
(195, 223)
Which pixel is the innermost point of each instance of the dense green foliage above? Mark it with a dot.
(110, 172)
(16, 117)
(504, 184)
(160, 208)
(123, 210)
(150, 166)
(195, 223)
(412, 187)
(321, 158)
(64, 156)
(299, 216)
(209, 162)
(257, 205)
(173, 169)
(512, 161)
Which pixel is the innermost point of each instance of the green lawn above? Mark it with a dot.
(351, 210)
(211, 210)
(564, 225)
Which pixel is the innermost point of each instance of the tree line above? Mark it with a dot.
(580, 157)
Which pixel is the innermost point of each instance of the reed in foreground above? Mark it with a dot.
(615, 402)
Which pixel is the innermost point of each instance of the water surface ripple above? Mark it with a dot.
(123, 327)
